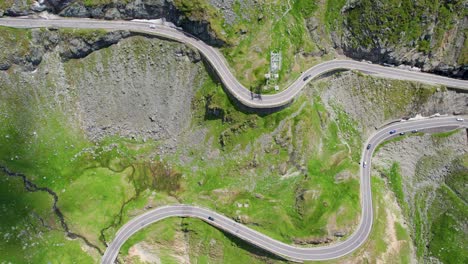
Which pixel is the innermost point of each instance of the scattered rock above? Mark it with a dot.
(343, 176)
(75, 10)
(312, 241)
(254, 161)
(4, 65)
(243, 219)
(259, 196)
(339, 234)
(283, 168)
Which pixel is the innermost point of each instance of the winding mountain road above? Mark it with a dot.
(218, 62)
(260, 240)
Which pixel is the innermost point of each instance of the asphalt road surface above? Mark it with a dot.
(286, 251)
(264, 101)
(217, 61)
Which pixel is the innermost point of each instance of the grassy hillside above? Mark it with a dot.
(258, 29)
(290, 174)
(433, 201)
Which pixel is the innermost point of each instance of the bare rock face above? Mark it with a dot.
(71, 46)
(140, 88)
(18, 8)
(375, 101)
(312, 241)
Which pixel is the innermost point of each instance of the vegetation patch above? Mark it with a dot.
(258, 29)
(14, 42)
(394, 179)
(401, 22)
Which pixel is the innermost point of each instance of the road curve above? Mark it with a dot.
(249, 99)
(294, 253)
(219, 64)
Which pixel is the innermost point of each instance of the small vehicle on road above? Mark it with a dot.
(152, 26)
(210, 218)
(369, 146)
(402, 133)
(364, 165)
(414, 131)
(392, 131)
(306, 78)
(460, 119)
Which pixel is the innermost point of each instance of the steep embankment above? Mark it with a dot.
(428, 175)
(427, 34)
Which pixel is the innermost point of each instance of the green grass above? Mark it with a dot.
(89, 35)
(98, 192)
(40, 138)
(280, 214)
(436, 223)
(270, 27)
(396, 185)
(401, 232)
(4, 4)
(448, 241)
(333, 17)
(24, 238)
(93, 180)
(463, 59)
(160, 233)
(207, 244)
(445, 134)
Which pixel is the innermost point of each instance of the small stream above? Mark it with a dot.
(31, 187)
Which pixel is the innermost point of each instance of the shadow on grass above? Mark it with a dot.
(238, 106)
(244, 245)
(252, 248)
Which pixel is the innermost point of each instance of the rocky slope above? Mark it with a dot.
(152, 82)
(145, 89)
(384, 100)
(433, 186)
(27, 50)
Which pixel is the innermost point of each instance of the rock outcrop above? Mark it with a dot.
(432, 38)
(70, 45)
